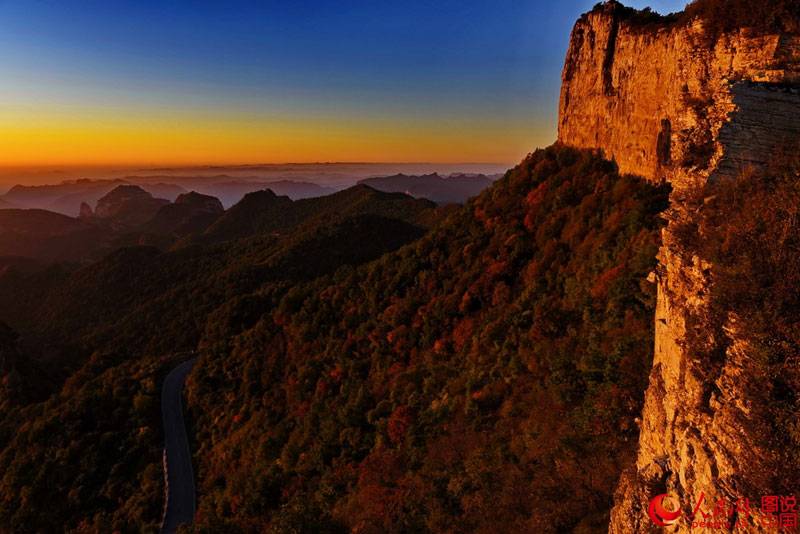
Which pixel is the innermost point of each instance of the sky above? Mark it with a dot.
(179, 83)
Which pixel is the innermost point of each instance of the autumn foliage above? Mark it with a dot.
(357, 374)
(484, 378)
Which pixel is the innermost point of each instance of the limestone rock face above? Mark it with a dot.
(699, 435)
(666, 103)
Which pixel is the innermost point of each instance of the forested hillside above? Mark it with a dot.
(81, 426)
(485, 375)
(163, 296)
(264, 212)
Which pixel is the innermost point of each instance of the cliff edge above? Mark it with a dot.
(670, 101)
(665, 102)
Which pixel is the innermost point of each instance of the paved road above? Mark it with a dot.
(180, 480)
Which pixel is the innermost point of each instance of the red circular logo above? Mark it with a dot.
(660, 515)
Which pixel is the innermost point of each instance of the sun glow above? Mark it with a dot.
(70, 139)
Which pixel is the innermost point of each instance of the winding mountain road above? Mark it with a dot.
(180, 505)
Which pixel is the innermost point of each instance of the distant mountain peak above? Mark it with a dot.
(122, 193)
(128, 205)
(190, 213)
(85, 211)
(200, 201)
(442, 190)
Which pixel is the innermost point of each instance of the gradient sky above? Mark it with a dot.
(152, 83)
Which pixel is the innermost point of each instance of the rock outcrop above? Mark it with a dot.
(667, 102)
(85, 212)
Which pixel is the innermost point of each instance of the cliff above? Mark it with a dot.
(668, 101)
(666, 104)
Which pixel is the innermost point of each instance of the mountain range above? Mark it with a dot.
(443, 190)
(68, 196)
(370, 341)
(129, 215)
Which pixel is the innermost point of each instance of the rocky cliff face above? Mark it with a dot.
(669, 103)
(665, 103)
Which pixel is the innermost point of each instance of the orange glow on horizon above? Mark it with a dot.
(53, 139)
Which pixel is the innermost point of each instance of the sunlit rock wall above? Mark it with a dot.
(667, 103)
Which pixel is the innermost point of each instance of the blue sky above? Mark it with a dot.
(487, 67)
